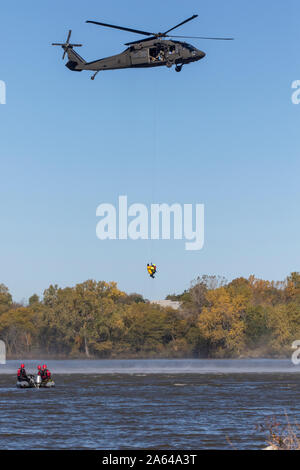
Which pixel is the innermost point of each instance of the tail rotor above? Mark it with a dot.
(66, 45)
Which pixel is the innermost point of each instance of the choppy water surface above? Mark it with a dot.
(154, 404)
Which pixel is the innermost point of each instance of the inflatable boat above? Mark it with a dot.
(35, 382)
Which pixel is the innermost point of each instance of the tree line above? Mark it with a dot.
(217, 319)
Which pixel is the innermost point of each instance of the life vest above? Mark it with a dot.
(43, 374)
(22, 374)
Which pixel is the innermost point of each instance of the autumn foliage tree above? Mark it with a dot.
(241, 318)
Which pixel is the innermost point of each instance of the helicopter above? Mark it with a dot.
(152, 51)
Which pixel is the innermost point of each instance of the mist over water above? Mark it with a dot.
(148, 404)
(157, 366)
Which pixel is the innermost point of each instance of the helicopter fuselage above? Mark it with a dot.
(153, 53)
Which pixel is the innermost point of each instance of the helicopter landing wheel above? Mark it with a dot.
(94, 76)
(178, 68)
(169, 64)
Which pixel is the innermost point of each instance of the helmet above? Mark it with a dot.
(22, 366)
(44, 366)
(39, 367)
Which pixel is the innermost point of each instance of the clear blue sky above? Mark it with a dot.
(223, 132)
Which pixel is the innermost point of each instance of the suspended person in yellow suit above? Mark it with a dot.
(151, 268)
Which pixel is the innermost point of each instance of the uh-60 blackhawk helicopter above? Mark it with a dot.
(153, 51)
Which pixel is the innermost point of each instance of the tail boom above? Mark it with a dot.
(75, 63)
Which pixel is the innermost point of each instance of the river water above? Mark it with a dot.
(148, 404)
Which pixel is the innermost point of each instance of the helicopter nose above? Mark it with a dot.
(201, 54)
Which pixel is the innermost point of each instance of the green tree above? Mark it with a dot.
(5, 299)
(256, 325)
(34, 299)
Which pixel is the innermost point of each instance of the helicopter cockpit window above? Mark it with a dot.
(191, 48)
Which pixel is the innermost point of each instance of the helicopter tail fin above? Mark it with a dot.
(75, 62)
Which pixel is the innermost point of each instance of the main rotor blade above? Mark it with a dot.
(140, 40)
(64, 44)
(144, 33)
(180, 24)
(171, 36)
(201, 37)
